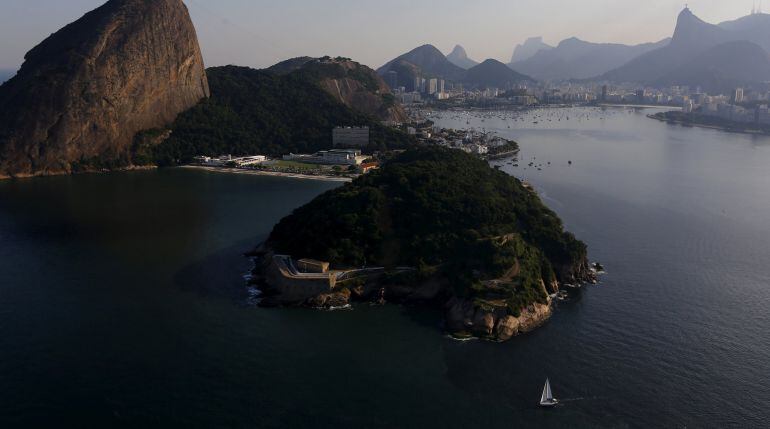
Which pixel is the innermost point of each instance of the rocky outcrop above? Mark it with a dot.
(361, 89)
(459, 57)
(465, 318)
(83, 94)
(336, 299)
(353, 84)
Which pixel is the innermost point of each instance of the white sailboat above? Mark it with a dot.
(547, 399)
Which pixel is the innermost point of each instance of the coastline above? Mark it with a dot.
(708, 126)
(463, 319)
(641, 106)
(267, 173)
(73, 173)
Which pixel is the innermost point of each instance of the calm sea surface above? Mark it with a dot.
(122, 300)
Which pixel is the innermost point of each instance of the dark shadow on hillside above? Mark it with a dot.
(222, 273)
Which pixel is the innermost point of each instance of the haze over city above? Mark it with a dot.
(261, 33)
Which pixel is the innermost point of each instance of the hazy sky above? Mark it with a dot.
(259, 33)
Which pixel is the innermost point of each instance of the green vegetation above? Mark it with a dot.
(326, 69)
(258, 112)
(449, 215)
(712, 121)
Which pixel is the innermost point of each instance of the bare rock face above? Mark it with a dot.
(507, 328)
(483, 323)
(85, 91)
(462, 316)
(362, 89)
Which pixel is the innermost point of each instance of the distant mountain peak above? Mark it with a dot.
(493, 74)
(425, 61)
(460, 58)
(693, 31)
(529, 48)
(426, 47)
(459, 51)
(715, 57)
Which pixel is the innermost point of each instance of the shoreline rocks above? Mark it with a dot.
(463, 318)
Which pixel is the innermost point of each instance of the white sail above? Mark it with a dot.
(544, 396)
(546, 399)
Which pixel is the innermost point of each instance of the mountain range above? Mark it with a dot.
(428, 62)
(576, 59)
(715, 57)
(529, 48)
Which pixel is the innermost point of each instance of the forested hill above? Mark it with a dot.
(258, 112)
(448, 213)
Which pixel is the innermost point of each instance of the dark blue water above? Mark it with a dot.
(122, 300)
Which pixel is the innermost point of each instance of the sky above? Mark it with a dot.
(259, 33)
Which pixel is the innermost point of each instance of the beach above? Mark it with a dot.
(269, 173)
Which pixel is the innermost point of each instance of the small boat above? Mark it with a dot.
(547, 399)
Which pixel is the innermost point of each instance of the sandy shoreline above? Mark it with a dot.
(268, 173)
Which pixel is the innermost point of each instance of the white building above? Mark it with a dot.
(229, 160)
(738, 97)
(432, 86)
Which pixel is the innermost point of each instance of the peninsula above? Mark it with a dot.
(433, 226)
(719, 122)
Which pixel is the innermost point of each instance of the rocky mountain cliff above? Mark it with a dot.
(356, 86)
(716, 57)
(459, 57)
(84, 92)
(529, 48)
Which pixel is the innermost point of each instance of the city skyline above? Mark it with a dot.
(258, 35)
